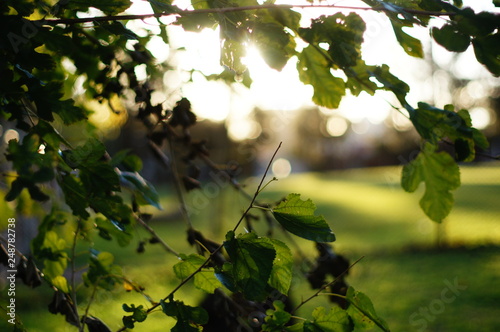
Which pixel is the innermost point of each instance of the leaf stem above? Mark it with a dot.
(268, 183)
(261, 208)
(157, 237)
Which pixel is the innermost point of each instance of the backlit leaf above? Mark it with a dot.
(297, 217)
(231, 53)
(102, 271)
(189, 319)
(334, 320)
(314, 69)
(276, 45)
(362, 312)
(204, 279)
(440, 174)
(276, 319)
(411, 45)
(487, 50)
(74, 195)
(451, 39)
(435, 124)
(281, 273)
(252, 260)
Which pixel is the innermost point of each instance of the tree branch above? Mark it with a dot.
(71, 21)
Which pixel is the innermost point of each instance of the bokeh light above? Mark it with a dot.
(281, 168)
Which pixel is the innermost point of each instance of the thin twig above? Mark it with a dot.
(71, 21)
(178, 186)
(325, 286)
(177, 182)
(73, 275)
(156, 236)
(251, 205)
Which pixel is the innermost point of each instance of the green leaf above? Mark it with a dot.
(204, 279)
(451, 39)
(102, 272)
(391, 83)
(275, 44)
(281, 273)
(113, 208)
(487, 51)
(231, 53)
(146, 192)
(61, 283)
(358, 79)
(53, 269)
(335, 320)
(99, 178)
(88, 154)
(297, 217)
(53, 249)
(74, 195)
(434, 124)
(362, 312)
(276, 319)
(49, 134)
(188, 318)
(286, 17)
(411, 45)
(48, 100)
(343, 34)
(139, 314)
(314, 69)
(108, 230)
(252, 261)
(440, 174)
(197, 21)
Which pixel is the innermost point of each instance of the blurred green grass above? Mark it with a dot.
(372, 217)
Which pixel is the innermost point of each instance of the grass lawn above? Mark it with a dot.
(413, 286)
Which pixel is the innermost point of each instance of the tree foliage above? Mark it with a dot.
(47, 47)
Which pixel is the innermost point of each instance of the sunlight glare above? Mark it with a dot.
(274, 90)
(209, 99)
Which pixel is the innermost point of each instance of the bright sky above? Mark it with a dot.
(282, 91)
